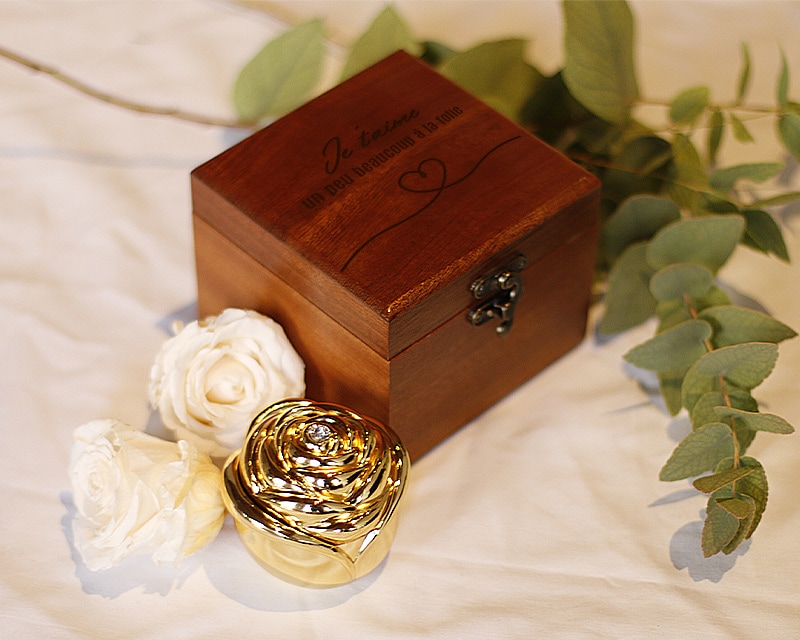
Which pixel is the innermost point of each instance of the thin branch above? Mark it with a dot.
(122, 102)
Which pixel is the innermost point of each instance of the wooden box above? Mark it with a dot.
(395, 226)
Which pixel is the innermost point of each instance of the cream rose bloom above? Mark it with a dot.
(212, 378)
(135, 493)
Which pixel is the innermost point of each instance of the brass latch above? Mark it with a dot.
(505, 287)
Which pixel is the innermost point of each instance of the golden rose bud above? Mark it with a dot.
(314, 491)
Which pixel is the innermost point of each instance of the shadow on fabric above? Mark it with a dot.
(686, 552)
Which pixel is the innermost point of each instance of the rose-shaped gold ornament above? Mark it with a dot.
(314, 491)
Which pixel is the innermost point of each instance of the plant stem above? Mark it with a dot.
(122, 102)
(723, 389)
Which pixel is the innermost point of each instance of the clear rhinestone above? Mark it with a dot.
(318, 432)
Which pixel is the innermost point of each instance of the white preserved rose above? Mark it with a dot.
(212, 378)
(138, 494)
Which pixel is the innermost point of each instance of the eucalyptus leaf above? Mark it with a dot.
(688, 164)
(670, 385)
(638, 166)
(699, 452)
(598, 57)
(682, 280)
(282, 74)
(740, 131)
(763, 234)
(628, 299)
(496, 72)
(783, 83)
(757, 421)
(714, 298)
(435, 53)
(725, 179)
(738, 507)
(677, 348)
(696, 385)
(637, 219)
(671, 313)
(772, 201)
(387, 33)
(719, 529)
(708, 241)
(735, 325)
(744, 75)
(716, 131)
(704, 412)
(719, 479)
(753, 485)
(689, 105)
(744, 365)
(729, 500)
(789, 131)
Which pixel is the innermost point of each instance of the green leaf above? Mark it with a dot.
(744, 365)
(282, 75)
(744, 75)
(783, 83)
(719, 479)
(435, 53)
(689, 105)
(736, 504)
(724, 179)
(598, 57)
(781, 199)
(789, 131)
(637, 219)
(719, 529)
(688, 164)
(676, 281)
(496, 72)
(699, 452)
(764, 234)
(716, 130)
(757, 421)
(714, 298)
(387, 33)
(704, 412)
(628, 299)
(671, 313)
(670, 384)
(735, 325)
(676, 348)
(738, 507)
(708, 241)
(753, 485)
(740, 131)
(639, 166)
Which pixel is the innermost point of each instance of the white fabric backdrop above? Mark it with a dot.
(544, 518)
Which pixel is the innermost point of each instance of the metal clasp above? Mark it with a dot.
(505, 288)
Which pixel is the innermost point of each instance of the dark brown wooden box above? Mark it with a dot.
(361, 221)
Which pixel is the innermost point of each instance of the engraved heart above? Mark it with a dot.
(429, 176)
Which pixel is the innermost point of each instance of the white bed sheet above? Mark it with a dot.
(543, 518)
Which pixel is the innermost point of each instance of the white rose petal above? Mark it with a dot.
(212, 378)
(135, 493)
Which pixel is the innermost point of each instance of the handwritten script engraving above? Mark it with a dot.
(430, 176)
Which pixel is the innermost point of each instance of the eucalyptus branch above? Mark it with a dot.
(117, 101)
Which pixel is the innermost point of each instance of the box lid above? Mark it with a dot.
(384, 198)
